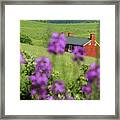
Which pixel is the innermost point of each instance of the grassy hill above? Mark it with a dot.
(40, 32)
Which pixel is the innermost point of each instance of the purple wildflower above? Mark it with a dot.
(58, 87)
(33, 92)
(93, 77)
(69, 97)
(22, 59)
(93, 66)
(43, 66)
(39, 79)
(98, 80)
(50, 98)
(55, 35)
(42, 73)
(98, 72)
(57, 44)
(87, 89)
(93, 73)
(43, 93)
(78, 53)
(32, 78)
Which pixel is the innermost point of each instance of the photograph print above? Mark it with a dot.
(59, 60)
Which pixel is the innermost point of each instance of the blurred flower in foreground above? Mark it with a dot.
(42, 93)
(42, 73)
(93, 73)
(78, 53)
(50, 98)
(43, 66)
(93, 77)
(68, 97)
(87, 89)
(57, 43)
(33, 91)
(39, 79)
(22, 59)
(58, 87)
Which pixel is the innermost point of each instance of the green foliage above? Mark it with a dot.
(29, 66)
(95, 92)
(84, 68)
(25, 39)
(54, 76)
(25, 87)
(74, 87)
(25, 71)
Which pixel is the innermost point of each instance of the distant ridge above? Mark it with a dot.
(72, 21)
(67, 21)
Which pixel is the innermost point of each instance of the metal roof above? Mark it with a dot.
(77, 41)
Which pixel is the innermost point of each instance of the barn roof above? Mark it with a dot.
(77, 41)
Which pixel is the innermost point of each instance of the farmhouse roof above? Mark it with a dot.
(90, 41)
(77, 41)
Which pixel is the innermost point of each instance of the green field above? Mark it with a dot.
(40, 34)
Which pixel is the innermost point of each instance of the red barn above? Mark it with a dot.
(91, 46)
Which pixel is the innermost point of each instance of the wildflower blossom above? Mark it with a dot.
(43, 93)
(78, 53)
(93, 73)
(33, 92)
(93, 76)
(57, 43)
(50, 98)
(87, 89)
(68, 97)
(55, 35)
(98, 72)
(33, 79)
(43, 66)
(93, 66)
(22, 59)
(58, 86)
(40, 77)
